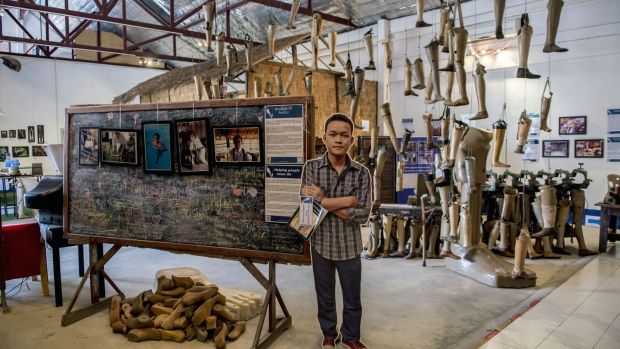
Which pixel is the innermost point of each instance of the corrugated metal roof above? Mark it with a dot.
(250, 18)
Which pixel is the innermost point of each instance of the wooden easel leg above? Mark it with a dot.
(43, 270)
(94, 269)
(5, 306)
(276, 326)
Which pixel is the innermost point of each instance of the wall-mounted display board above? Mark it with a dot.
(224, 212)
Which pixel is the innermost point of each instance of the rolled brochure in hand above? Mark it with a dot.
(305, 221)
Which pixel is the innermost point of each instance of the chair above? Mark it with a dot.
(22, 254)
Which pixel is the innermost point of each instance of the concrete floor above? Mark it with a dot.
(405, 305)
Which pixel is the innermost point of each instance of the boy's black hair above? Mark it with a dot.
(237, 136)
(338, 117)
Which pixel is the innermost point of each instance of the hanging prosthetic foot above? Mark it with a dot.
(420, 9)
(554, 10)
(525, 32)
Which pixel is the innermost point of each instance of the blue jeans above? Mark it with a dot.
(350, 276)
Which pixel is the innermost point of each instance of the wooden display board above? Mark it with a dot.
(221, 214)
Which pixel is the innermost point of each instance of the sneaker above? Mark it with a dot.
(353, 344)
(328, 343)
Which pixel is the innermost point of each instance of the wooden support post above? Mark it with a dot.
(277, 326)
(94, 269)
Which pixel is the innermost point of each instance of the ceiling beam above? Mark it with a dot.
(152, 12)
(80, 60)
(107, 19)
(308, 11)
(25, 30)
(75, 46)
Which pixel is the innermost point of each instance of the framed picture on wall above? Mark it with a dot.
(555, 148)
(40, 134)
(12, 134)
(89, 147)
(38, 150)
(239, 145)
(21, 152)
(31, 134)
(194, 150)
(4, 134)
(589, 148)
(4, 152)
(119, 147)
(158, 147)
(21, 134)
(572, 125)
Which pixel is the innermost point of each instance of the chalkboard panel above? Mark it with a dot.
(221, 214)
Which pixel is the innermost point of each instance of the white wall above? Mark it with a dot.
(584, 80)
(40, 92)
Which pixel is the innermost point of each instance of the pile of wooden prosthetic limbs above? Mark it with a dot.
(178, 310)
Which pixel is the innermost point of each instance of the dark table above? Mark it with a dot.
(609, 216)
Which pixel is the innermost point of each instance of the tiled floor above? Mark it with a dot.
(581, 313)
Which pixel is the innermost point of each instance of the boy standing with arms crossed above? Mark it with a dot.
(343, 187)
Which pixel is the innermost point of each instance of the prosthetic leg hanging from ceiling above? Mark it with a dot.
(525, 32)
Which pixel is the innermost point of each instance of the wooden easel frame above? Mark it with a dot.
(276, 326)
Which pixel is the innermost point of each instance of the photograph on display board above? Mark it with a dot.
(31, 134)
(237, 145)
(118, 147)
(4, 152)
(21, 152)
(4, 134)
(572, 125)
(555, 149)
(38, 150)
(21, 134)
(89, 147)
(589, 148)
(157, 146)
(40, 134)
(193, 146)
(12, 134)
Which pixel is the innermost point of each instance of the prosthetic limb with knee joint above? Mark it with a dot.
(458, 130)
(554, 10)
(525, 32)
(444, 232)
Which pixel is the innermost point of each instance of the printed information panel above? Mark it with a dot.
(531, 150)
(284, 129)
(282, 183)
(613, 149)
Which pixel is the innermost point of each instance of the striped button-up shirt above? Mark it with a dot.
(335, 238)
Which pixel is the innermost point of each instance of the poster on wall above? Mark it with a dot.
(31, 134)
(531, 151)
(40, 134)
(282, 185)
(535, 128)
(613, 121)
(419, 158)
(613, 149)
(407, 124)
(4, 153)
(284, 129)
